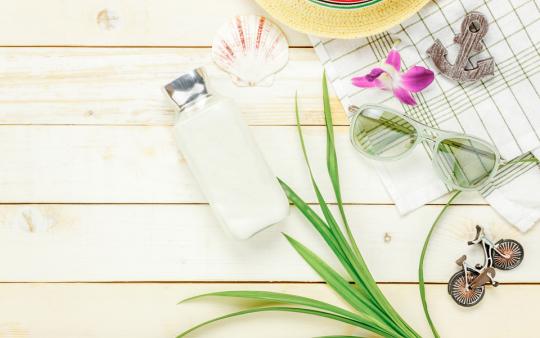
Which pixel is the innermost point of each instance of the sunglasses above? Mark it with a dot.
(462, 161)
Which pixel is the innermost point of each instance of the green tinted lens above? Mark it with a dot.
(465, 162)
(383, 134)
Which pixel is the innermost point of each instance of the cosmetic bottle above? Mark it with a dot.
(221, 152)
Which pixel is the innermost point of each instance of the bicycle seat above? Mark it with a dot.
(461, 260)
(480, 280)
(483, 278)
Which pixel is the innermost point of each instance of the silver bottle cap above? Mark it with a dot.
(188, 87)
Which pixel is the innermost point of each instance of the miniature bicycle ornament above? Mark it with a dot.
(467, 286)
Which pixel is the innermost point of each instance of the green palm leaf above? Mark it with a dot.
(292, 299)
(357, 261)
(336, 282)
(348, 254)
(278, 309)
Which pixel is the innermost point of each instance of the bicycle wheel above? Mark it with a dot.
(510, 248)
(460, 293)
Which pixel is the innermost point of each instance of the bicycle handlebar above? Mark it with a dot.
(477, 237)
(478, 232)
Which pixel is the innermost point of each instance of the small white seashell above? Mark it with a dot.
(251, 49)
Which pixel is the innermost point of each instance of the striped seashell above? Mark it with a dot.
(251, 49)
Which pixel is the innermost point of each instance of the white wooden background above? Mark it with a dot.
(103, 229)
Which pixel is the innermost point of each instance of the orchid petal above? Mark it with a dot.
(365, 82)
(417, 78)
(394, 59)
(404, 96)
(370, 80)
(375, 73)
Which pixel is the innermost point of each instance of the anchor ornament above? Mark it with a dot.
(473, 29)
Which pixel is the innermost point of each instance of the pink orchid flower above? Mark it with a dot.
(388, 77)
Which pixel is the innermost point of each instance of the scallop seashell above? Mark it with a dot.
(251, 49)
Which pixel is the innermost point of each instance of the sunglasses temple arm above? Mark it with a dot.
(354, 109)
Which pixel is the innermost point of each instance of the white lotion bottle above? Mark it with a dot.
(221, 152)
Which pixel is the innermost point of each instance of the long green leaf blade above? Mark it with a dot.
(314, 219)
(342, 287)
(344, 247)
(333, 172)
(357, 260)
(366, 298)
(331, 160)
(350, 258)
(289, 299)
(282, 309)
(421, 283)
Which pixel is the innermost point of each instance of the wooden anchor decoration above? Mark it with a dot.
(473, 29)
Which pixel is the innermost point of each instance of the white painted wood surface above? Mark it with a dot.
(123, 86)
(150, 310)
(121, 22)
(141, 164)
(92, 188)
(183, 243)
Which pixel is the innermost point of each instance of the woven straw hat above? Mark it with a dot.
(341, 18)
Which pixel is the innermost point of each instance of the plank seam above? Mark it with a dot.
(236, 282)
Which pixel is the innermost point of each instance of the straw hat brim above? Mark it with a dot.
(314, 19)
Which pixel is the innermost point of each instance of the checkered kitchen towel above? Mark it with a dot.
(504, 109)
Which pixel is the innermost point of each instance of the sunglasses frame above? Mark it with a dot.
(424, 134)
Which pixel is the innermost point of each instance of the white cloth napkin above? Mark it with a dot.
(504, 109)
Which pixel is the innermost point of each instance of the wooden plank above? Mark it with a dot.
(185, 243)
(122, 22)
(150, 310)
(116, 164)
(124, 86)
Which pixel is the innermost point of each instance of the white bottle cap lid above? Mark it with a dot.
(188, 87)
